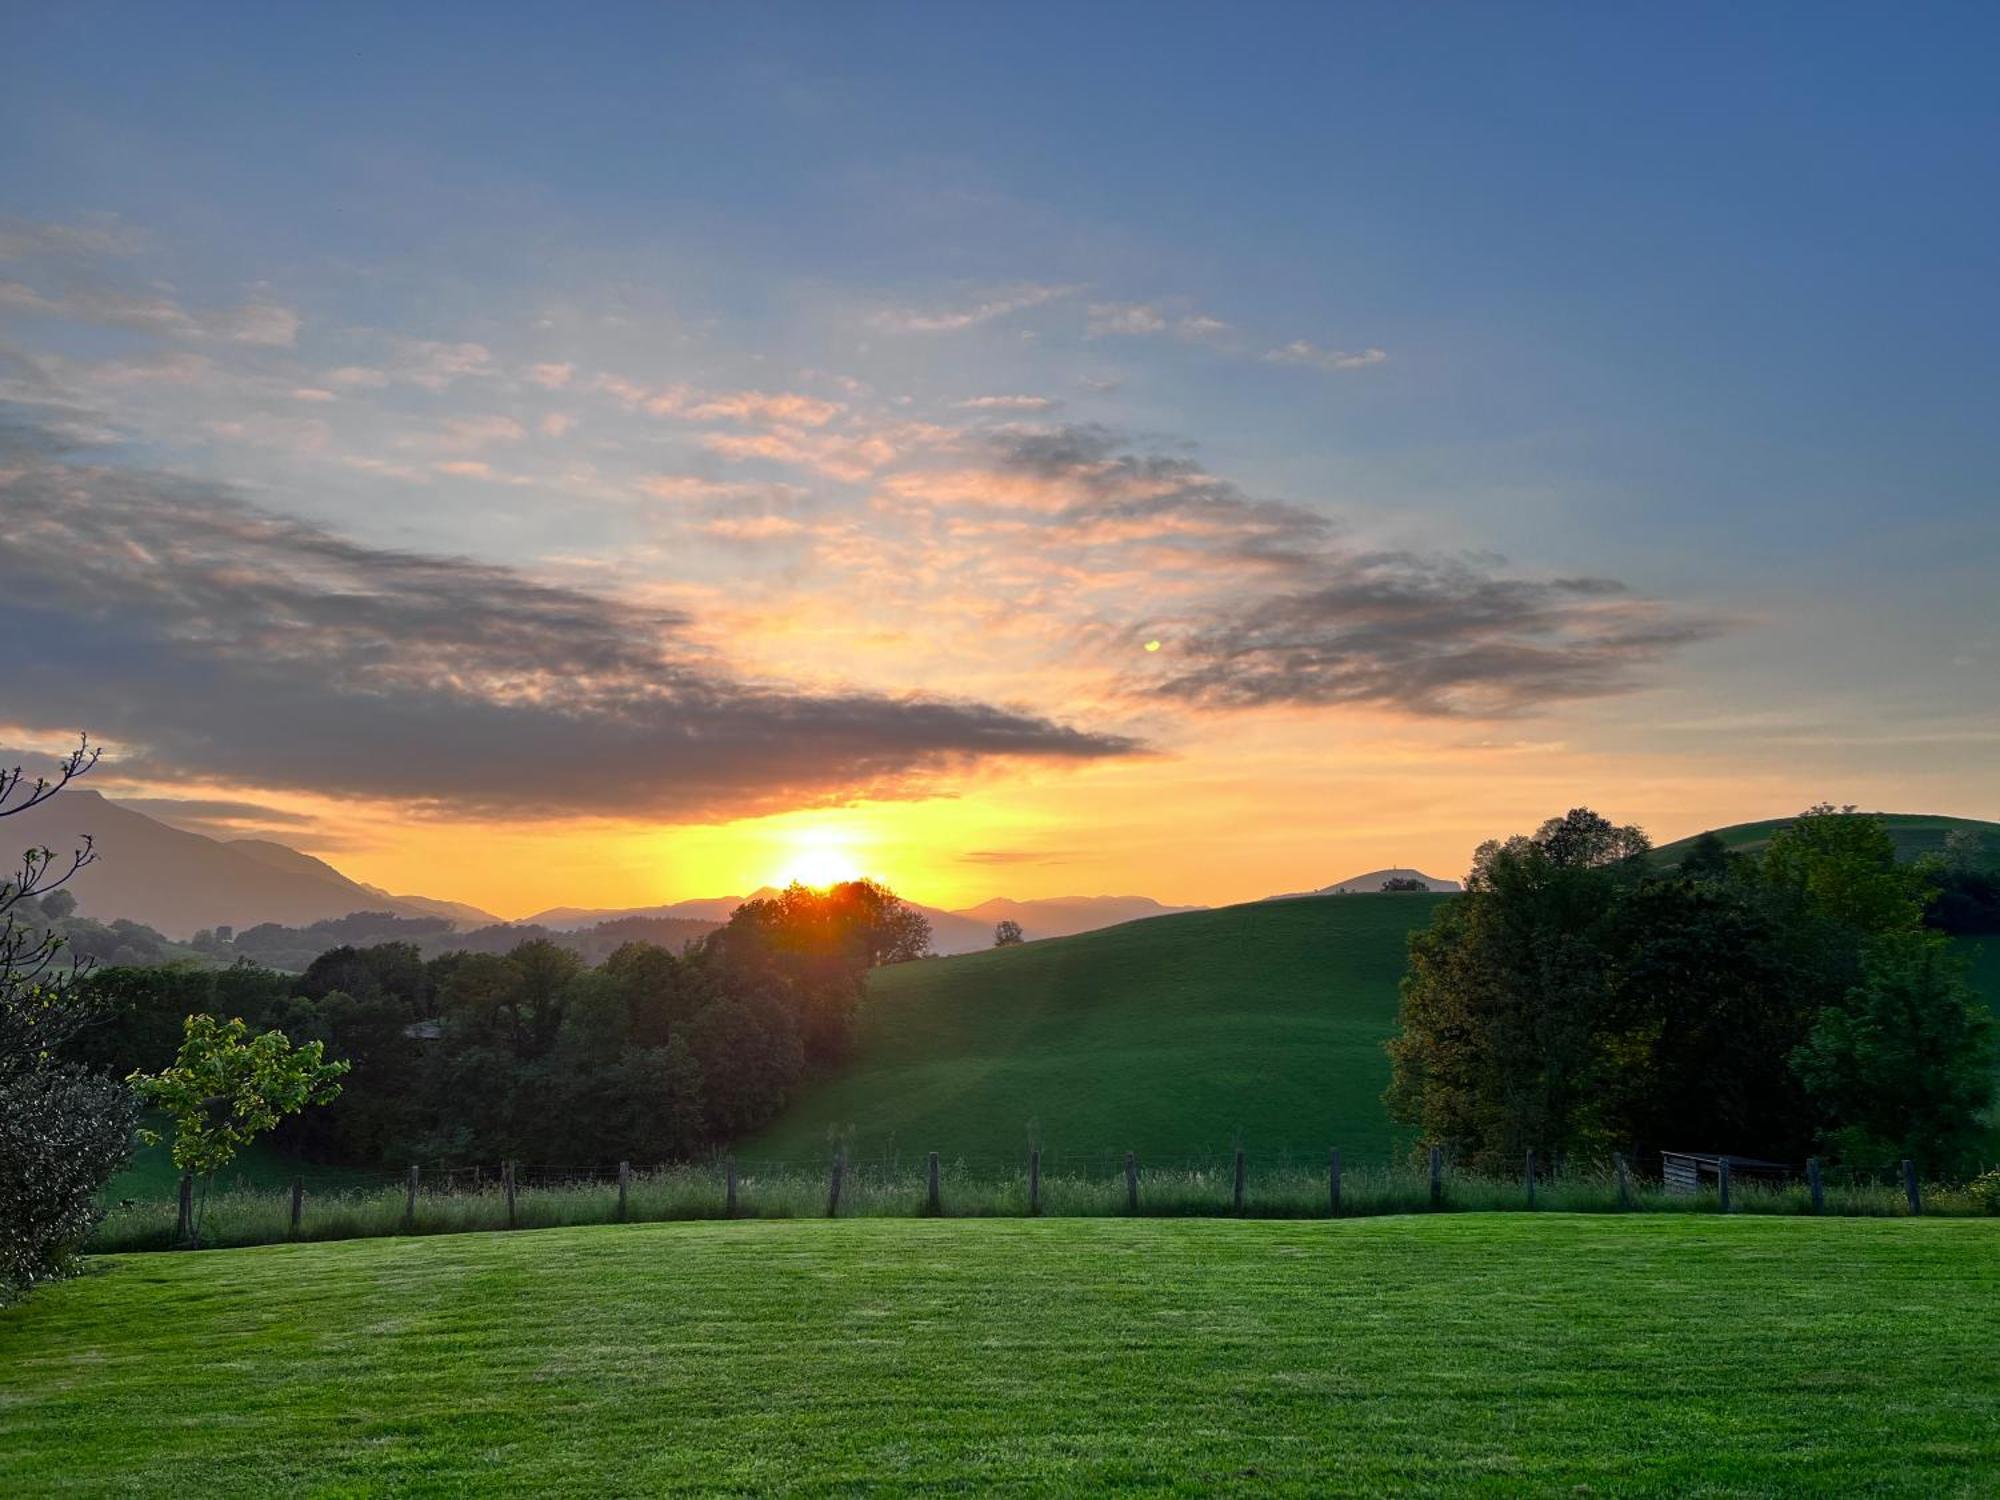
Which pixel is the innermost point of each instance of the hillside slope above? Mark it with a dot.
(1168, 1036)
(1913, 834)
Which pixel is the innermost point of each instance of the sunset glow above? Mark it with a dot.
(930, 513)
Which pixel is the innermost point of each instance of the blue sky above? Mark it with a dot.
(1699, 300)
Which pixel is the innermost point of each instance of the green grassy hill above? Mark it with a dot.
(1914, 834)
(1462, 1354)
(1168, 1036)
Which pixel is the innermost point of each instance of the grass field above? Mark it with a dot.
(152, 1176)
(1497, 1354)
(1167, 1036)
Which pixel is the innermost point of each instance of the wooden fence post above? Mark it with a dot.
(833, 1182)
(1815, 1186)
(1131, 1182)
(1531, 1177)
(1624, 1179)
(1910, 1188)
(507, 1171)
(1722, 1183)
(624, 1188)
(184, 1230)
(1239, 1181)
(410, 1200)
(1035, 1180)
(935, 1203)
(298, 1203)
(1333, 1179)
(1437, 1176)
(729, 1207)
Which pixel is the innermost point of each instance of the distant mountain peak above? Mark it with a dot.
(1374, 880)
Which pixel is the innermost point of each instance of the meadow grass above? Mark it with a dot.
(898, 1189)
(1261, 1023)
(1483, 1354)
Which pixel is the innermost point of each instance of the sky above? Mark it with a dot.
(599, 456)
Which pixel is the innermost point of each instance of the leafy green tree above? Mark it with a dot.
(1904, 1066)
(227, 1087)
(1500, 1046)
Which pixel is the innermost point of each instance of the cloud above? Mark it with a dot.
(785, 407)
(225, 641)
(433, 365)
(1263, 603)
(215, 816)
(27, 239)
(951, 320)
(1299, 352)
(552, 377)
(1145, 319)
(1429, 636)
(1009, 403)
(1016, 857)
(261, 323)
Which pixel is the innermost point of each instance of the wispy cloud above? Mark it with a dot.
(1300, 352)
(998, 304)
(1009, 403)
(262, 323)
(1146, 319)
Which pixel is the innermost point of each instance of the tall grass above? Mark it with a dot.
(897, 1188)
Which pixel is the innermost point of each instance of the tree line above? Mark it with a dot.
(1578, 999)
(652, 1054)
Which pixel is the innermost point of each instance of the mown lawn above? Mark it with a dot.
(1493, 1354)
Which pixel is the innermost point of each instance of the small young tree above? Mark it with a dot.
(1007, 932)
(227, 1087)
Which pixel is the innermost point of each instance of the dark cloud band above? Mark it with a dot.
(236, 643)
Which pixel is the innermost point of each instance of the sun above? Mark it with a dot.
(820, 866)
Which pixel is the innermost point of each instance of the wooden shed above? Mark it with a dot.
(1690, 1171)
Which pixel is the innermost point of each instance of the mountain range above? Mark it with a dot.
(179, 882)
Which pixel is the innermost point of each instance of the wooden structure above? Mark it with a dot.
(1688, 1172)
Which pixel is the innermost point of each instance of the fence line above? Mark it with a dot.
(509, 1195)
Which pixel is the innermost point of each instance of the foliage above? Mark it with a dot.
(1578, 1000)
(1454, 1355)
(63, 1132)
(1903, 1067)
(529, 1053)
(1007, 932)
(1404, 883)
(1984, 1190)
(227, 1086)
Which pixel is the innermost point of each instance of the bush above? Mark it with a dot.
(1984, 1190)
(63, 1133)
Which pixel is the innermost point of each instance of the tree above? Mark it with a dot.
(1904, 1067)
(1403, 883)
(227, 1087)
(63, 1130)
(1007, 932)
(1500, 1046)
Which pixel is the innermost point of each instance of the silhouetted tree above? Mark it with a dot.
(1007, 932)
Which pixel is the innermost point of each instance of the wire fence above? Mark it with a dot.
(1288, 1184)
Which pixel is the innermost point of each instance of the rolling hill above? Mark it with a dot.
(1914, 834)
(1169, 1036)
(1172, 1036)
